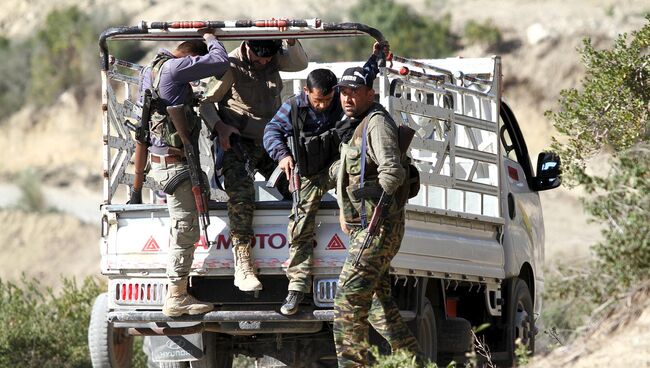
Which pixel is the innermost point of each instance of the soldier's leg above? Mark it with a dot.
(301, 235)
(355, 290)
(184, 232)
(384, 314)
(241, 205)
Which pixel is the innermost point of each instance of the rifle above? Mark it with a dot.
(294, 177)
(199, 189)
(141, 144)
(240, 152)
(378, 217)
(405, 136)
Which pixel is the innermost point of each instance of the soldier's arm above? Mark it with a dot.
(191, 68)
(383, 149)
(295, 59)
(276, 131)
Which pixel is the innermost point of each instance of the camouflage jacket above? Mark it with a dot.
(385, 166)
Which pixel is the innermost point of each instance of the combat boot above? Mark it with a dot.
(245, 278)
(179, 302)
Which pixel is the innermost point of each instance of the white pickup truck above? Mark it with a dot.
(472, 252)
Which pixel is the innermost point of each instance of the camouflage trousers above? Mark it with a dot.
(363, 298)
(183, 217)
(241, 191)
(301, 228)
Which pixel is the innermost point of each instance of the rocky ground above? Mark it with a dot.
(63, 143)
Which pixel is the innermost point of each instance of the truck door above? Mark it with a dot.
(524, 228)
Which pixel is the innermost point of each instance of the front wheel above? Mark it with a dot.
(522, 321)
(109, 347)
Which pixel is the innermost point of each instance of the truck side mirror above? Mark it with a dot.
(548, 171)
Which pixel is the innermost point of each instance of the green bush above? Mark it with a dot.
(486, 33)
(409, 33)
(62, 55)
(61, 52)
(31, 193)
(40, 329)
(610, 114)
(14, 76)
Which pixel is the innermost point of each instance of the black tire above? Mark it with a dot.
(109, 347)
(454, 335)
(426, 332)
(521, 317)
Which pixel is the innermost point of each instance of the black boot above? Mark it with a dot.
(290, 305)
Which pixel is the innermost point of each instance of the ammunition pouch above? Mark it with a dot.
(163, 130)
(176, 180)
(317, 152)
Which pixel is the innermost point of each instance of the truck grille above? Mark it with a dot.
(139, 293)
(324, 292)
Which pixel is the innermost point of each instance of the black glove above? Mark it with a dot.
(136, 197)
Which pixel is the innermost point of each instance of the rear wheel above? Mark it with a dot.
(109, 347)
(426, 332)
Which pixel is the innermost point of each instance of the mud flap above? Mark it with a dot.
(182, 348)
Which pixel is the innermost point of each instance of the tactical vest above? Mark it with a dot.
(160, 125)
(316, 152)
(352, 161)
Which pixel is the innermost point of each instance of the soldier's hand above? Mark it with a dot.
(378, 47)
(207, 33)
(224, 131)
(286, 164)
(135, 197)
(344, 225)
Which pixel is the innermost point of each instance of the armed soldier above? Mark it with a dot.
(311, 120)
(247, 97)
(371, 180)
(166, 82)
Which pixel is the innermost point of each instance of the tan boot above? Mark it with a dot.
(245, 278)
(179, 302)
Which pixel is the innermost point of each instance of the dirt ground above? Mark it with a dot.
(539, 56)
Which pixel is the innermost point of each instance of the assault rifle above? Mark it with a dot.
(199, 189)
(378, 217)
(141, 144)
(405, 136)
(294, 178)
(240, 152)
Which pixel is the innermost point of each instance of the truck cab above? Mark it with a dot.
(472, 253)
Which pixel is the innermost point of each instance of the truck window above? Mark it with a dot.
(513, 143)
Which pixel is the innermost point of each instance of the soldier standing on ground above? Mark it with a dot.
(248, 96)
(168, 77)
(363, 296)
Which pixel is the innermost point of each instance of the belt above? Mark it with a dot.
(167, 159)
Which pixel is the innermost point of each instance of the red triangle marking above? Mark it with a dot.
(151, 245)
(202, 243)
(335, 243)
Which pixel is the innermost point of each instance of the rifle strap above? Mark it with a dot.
(364, 143)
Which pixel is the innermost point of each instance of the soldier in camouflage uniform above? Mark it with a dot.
(312, 117)
(309, 117)
(168, 77)
(363, 296)
(247, 97)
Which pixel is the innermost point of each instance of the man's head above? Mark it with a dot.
(356, 91)
(191, 48)
(320, 88)
(260, 52)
